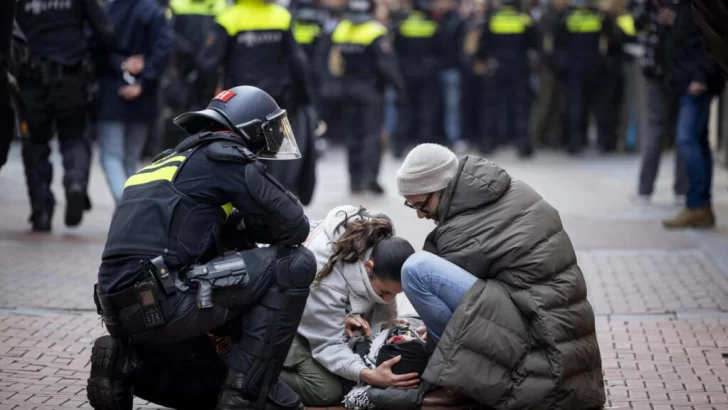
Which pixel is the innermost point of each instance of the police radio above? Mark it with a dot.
(148, 298)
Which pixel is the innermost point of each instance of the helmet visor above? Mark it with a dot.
(280, 143)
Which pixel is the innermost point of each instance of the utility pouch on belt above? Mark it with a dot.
(161, 274)
(227, 272)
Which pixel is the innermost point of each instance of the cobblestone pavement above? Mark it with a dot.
(661, 297)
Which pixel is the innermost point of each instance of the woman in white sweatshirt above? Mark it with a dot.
(359, 263)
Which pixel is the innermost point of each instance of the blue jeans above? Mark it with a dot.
(435, 288)
(692, 141)
(450, 80)
(121, 146)
(390, 112)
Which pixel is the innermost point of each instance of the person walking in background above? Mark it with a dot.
(654, 21)
(696, 78)
(128, 85)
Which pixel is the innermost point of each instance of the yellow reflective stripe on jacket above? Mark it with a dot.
(626, 23)
(347, 32)
(254, 15)
(161, 174)
(509, 22)
(305, 33)
(582, 21)
(227, 208)
(162, 170)
(418, 26)
(177, 158)
(204, 7)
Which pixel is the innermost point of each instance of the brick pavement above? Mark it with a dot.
(661, 297)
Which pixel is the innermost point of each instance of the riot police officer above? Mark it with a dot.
(361, 62)
(421, 57)
(53, 88)
(177, 216)
(506, 91)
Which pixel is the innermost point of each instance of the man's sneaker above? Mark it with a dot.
(108, 388)
(692, 218)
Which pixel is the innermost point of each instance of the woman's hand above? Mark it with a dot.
(382, 376)
(356, 322)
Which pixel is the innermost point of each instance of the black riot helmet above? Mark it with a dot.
(251, 114)
(359, 11)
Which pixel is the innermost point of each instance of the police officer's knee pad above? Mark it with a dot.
(296, 270)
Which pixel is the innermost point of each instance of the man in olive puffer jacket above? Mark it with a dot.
(498, 288)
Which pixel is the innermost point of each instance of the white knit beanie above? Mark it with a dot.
(427, 168)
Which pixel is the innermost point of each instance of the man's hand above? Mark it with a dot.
(383, 377)
(354, 322)
(134, 64)
(696, 88)
(422, 331)
(130, 92)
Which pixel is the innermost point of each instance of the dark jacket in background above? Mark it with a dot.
(710, 17)
(7, 129)
(652, 37)
(449, 34)
(141, 27)
(523, 337)
(687, 59)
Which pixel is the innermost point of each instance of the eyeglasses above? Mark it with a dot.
(422, 205)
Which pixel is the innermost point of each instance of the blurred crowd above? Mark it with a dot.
(372, 74)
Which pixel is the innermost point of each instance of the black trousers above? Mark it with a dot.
(506, 109)
(417, 120)
(7, 117)
(55, 103)
(263, 321)
(587, 93)
(364, 145)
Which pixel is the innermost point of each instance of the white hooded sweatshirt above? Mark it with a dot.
(346, 290)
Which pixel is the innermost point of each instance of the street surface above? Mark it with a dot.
(661, 297)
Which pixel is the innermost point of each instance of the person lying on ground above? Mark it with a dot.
(359, 263)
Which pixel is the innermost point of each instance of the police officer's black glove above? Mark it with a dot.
(234, 235)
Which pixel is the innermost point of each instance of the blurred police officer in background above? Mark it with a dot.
(506, 89)
(421, 55)
(253, 41)
(585, 38)
(361, 62)
(308, 21)
(54, 90)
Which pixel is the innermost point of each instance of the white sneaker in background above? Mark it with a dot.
(680, 200)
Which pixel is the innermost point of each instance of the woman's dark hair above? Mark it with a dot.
(388, 251)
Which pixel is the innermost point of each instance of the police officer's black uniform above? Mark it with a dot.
(181, 208)
(584, 38)
(253, 41)
(506, 91)
(308, 20)
(362, 63)
(53, 87)
(421, 53)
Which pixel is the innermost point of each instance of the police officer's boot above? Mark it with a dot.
(280, 395)
(109, 386)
